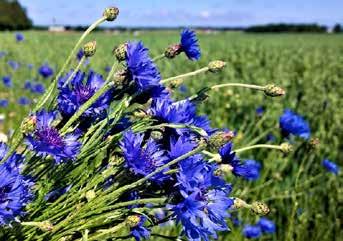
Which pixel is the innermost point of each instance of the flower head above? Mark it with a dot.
(3, 103)
(72, 97)
(24, 101)
(292, 123)
(19, 37)
(46, 140)
(266, 225)
(27, 85)
(252, 231)
(38, 88)
(15, 189)
(330, 166)
(138, 231)
(45, 71)
(143, 158)
(7, 81)
(260, 111)
(13, 64)
(189, 44)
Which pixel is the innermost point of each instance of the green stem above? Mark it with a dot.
(276, 147)
(255, 87)
(183, 76)
(107, 233)
(78, 67)
(159, 57)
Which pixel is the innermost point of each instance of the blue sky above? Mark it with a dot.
(187, 12)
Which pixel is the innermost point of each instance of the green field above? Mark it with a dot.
(306, 202)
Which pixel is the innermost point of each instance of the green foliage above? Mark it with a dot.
(13, 16)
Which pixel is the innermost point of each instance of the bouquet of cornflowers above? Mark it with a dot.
(111, 158)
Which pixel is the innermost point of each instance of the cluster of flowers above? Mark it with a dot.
(155, 140)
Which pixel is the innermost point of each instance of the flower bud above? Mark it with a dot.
(157, 135)
(273, 90)
(90, 195)
(314, 143)
(120, 78)
(239, 203)
(216, 66)
(133, 221)
(120, 52)
(219, 139)
(225, 168)
(172, 51)
(28, 125)
(111, 13)
(89, 49)
(260, 208)
(286, 148)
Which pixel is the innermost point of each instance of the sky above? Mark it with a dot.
(170, 13)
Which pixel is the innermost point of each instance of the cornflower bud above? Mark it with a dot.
(90, 195)
(120, 78)
(28, 125)
(156, 135)
(239, 203)
(286, 148)
(273, 90)
(120, 52)
(314, 143)
(216, 66)
(111, 13)
(219, 139)
(172, 51)
(133, 221)
(260, 208)
(89, 49)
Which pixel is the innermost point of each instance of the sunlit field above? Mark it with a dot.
(306, 200)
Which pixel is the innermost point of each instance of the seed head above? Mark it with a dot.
(172, 51)
(111, 13)
(89, 49)
(260, 208)
(274, 91)
(120, 52)
(28, 125)
(216, 66)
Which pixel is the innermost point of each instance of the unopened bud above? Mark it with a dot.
(89, 48)
(111, 13)
(286, 148)
(133, 221)
(314, 143)
(28, 125)
(120, 52)
(219, 139)
(216, 66)
(172, 51)
(260, 208)
(239, 203)
(273, 90)
(225, 168)
(157, 135)
(90, 195)
(120, 78)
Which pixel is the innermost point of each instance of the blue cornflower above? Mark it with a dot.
(141, 68)
(30, 66)
(143, 158)
(189, 44)
(266, 225)
(80, 54)
(15, 189)
(270, 137)
(38, 88)
(46, 140)
(3, 103)
(7, 81)
(2, 54)
(259, 111)
(139, 231)
(45, 71)
(73, 96)
(27, 85)
(252, 231)
(181, 112)
(331, 166)
(204, 201)
(248, 169)
(13, 64)
(107, 68)
(24, 101)
(19, 37)
(292, 123)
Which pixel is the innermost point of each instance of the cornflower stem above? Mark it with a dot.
(183, 76)
(17, 140)
(196, 129)
(107, 233)
(51, 88)
(78, 67)
(159, 57)
(249, 86)
(266, 146)
(89, 102)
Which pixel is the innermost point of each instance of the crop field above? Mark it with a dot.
(306, 200)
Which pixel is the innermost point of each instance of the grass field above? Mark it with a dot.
(306, 202)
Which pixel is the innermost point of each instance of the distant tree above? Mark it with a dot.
(337, 28)
(13, 16)
(286, 28)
